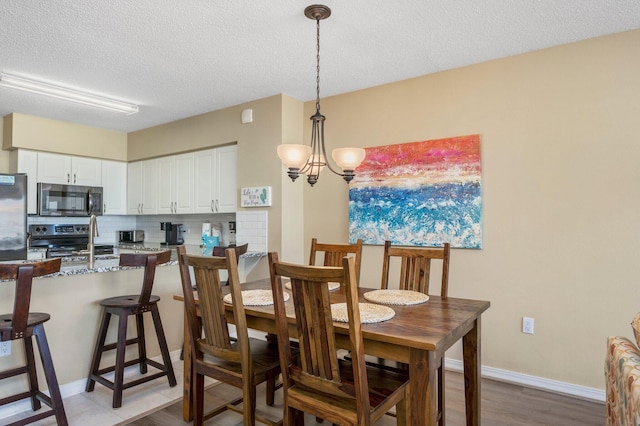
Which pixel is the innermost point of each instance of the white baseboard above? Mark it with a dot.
(77, 387)
(532, 381)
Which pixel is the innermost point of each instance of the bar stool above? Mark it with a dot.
(124, 306)
(22, 324)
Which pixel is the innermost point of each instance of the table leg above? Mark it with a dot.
(422, 399)
(187, 407)
(471, 355)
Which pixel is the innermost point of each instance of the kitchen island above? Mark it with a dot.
(72, 298)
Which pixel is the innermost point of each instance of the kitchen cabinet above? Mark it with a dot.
(114, 187)
(215, 181)
(25, 161)
(142, 187)
(65, 169)
(175, 184)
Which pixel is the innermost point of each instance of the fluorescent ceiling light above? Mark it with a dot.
(66, 94)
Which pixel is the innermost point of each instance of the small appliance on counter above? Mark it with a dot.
(136, 236)
(173, 233)
(232, 234)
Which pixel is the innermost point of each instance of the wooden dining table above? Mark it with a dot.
(417, 335)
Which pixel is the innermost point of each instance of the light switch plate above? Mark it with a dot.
(5, 349)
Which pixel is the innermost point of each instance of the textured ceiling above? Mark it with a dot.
(182, 58)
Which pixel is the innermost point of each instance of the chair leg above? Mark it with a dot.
(401, 411)
(198, 399)
(142, 343)
(97, 353)
(31, 372)
(121, 346)
(271, 391)
(164, 348)
(249, 401)
(50, 375)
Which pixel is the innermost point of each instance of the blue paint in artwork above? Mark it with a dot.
(427, 215)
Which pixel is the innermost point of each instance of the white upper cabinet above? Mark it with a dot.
(216, 180)
(134, 187)
(167, 185)
(226, 179)
(24, 161)
(185, 190)
(114, 187)
(175, 184)
(142, 187)
(68, 170)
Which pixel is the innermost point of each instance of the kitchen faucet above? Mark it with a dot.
(93, 232)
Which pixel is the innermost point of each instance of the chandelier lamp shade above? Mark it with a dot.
(66, 94)
(312, 159)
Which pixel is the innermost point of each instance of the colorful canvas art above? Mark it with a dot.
(419, 194)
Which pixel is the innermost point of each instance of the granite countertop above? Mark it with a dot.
(78, 265)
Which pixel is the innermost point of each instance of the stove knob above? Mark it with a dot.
(37, 229)
(44, 229)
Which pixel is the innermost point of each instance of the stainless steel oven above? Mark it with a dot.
(69, 200)
(63, 240)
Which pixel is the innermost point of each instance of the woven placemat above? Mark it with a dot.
(256, 297)
(396, 297)
(287, 284)
(369, 313)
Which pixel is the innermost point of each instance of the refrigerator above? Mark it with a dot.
(13, 216)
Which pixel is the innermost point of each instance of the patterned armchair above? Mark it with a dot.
(622, 370)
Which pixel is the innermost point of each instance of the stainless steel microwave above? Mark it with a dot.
(69, 200)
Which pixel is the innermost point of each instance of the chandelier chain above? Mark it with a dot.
(318, 64)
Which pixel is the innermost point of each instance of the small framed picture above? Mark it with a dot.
(258, 196)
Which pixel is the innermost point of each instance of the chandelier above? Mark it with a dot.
(311, 159)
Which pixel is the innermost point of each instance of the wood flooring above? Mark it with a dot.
(502, 405)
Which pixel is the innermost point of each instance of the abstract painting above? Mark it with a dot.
(419, 194)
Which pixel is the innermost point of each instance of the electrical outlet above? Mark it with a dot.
(5, 349)
(527, 325)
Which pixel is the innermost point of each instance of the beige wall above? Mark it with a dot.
(44, 134)
(561, 194)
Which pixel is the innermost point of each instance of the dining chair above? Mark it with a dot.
(319, 382)
(415, 267)
(414, 274)
(333, 254)
(242, 362)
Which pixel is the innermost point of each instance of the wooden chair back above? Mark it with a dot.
(333, 254)
(23, 274)
(318, 366)
(214, 339)
(240, 250)
(415, 267)
(149, 261)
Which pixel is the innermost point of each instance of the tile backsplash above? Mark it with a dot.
(251, 226)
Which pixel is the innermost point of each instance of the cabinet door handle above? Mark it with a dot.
(68, 178)
(217, 206)
(212, 208)
(104, 208)
(74, 178)
(173, 207)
